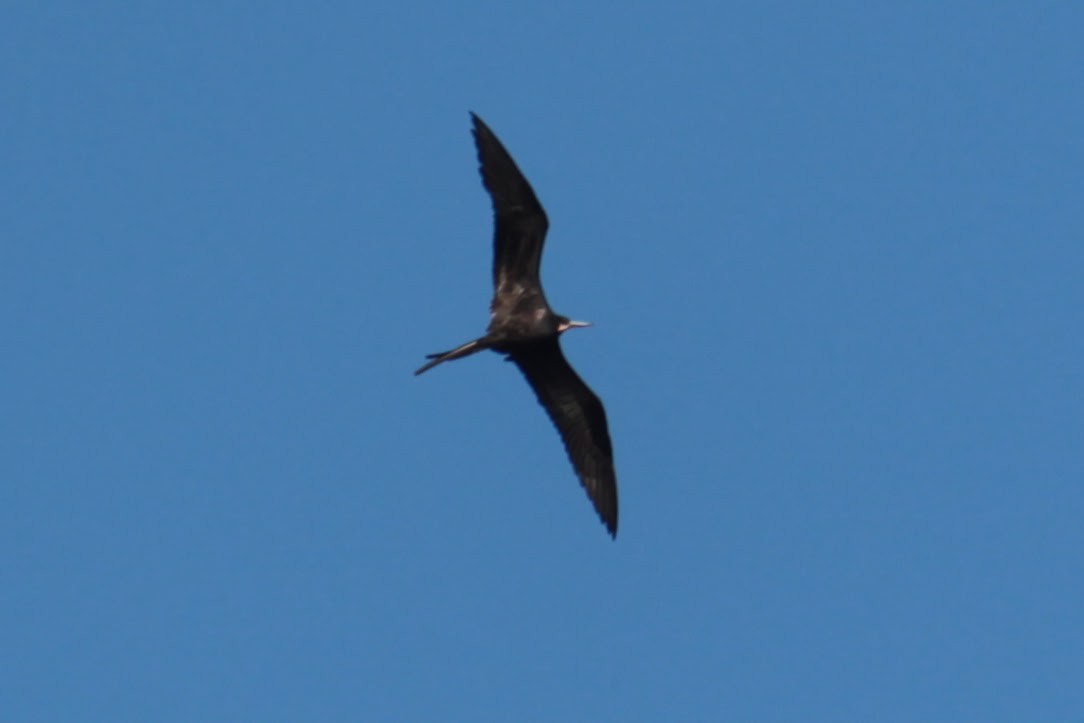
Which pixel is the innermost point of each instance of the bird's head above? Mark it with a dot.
(564, 324)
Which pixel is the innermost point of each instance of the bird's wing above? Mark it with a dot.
(520, 223)
(580, 419)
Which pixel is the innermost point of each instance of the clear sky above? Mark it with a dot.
(834, 253)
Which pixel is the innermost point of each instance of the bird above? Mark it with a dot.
(524, 328)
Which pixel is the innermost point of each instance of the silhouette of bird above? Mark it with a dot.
(524, 328)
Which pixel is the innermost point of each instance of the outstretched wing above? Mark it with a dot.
(580, 419)
(518, 216)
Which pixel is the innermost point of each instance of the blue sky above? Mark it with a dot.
(834, 255)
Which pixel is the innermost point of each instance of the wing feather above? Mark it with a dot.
(519, 220)
(580, 419)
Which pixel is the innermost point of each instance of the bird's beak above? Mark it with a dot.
(570, 324)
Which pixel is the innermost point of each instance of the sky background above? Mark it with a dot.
(834, 253)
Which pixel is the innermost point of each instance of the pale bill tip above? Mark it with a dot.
(572, 324)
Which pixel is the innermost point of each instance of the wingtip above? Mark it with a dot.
(611, 526)
(608, 516)
(604, 500)
(478, 125)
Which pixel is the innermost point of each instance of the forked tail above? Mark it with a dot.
(460, 351)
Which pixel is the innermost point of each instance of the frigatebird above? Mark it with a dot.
(524, 328)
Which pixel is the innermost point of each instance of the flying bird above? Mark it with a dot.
(524, 328)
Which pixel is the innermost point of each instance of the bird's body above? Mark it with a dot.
(525, 329)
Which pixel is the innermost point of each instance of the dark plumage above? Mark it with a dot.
(525, 329)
